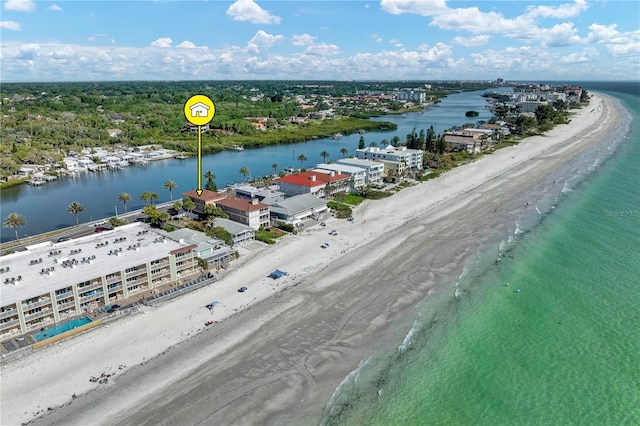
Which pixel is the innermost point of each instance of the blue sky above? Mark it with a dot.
(333, 40)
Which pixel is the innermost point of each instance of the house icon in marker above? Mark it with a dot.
(199, 110)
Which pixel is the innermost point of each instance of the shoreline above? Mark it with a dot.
(334, 345)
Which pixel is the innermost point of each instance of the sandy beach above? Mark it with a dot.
(278, 350)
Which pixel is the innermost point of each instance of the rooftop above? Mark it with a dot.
(206, 195)
(80, 260)
(242, 204)
(312, 179)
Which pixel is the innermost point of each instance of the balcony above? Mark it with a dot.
(9, 324)
(7, 314)
(41, 302)
(42, 313)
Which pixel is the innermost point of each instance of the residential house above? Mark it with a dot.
(462, 143)
(310, 182)
(214, 251)
(373, 169)
(358, 175)
(294, 210)
(412, 157)
(264, 195)
(205, 198)
(240, 234)
(252, 213)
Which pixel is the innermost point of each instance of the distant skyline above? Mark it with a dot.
(48, 41)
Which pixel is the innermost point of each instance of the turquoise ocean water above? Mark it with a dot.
(565, 349)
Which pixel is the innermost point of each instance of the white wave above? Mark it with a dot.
(407, 341)
(518, 230)
(594, 165)
(538, 210)
(349, 380)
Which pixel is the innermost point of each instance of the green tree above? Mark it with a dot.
(430, 143)
(302, 158)
(177, 205)
(14, 220)
(124, 197)
(211, 210)
(75, 208)
(170, 186)
(210, 177)
(344, 151)
(361, 143)
(148, 197)
(156, 217)
(324, 155)
(441, 146)
(244, 171)
(275, 167)
(188, 204)
(544, 114)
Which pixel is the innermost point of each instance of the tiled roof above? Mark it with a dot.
(206, 195)
(241, 204)
(305, 178)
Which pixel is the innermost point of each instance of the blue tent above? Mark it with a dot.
(277, 274)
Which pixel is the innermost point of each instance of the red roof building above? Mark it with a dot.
(207, 197)
(312, 182)
(252, 213)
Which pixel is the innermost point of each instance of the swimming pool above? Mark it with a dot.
(61, 328)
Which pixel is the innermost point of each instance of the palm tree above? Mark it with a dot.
(324, 155)
(13, 221)
(124, 197)
(188, 204)
(75, 208)
(148, 197)
(244, 171)
(302, 158)
(275, 166)
(210, 177)
(170, 185)
(344, 152)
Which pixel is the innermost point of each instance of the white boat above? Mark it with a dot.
(337, 136)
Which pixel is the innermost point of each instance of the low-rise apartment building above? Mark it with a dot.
(50, 282)
(411, 157)
(373, 169)
(252, 213)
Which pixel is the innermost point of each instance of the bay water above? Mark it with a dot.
(543, 326)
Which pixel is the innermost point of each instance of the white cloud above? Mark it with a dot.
(377, 38)
(616, 43)
(189, 45)
(560, 35)
(322, 49)
(20, 5)
(302, 39)
(562, 11)
(479, 40)
(419, 7)
(248, 10)
(473, 20)
(162, 42)
(262, 41)
(10, 25)
(54, 7)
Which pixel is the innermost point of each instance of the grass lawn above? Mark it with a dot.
(352, 199)
(268, 235)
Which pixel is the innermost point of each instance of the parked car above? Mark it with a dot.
(242, 289)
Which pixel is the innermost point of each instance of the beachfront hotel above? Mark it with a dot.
(51, 282)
